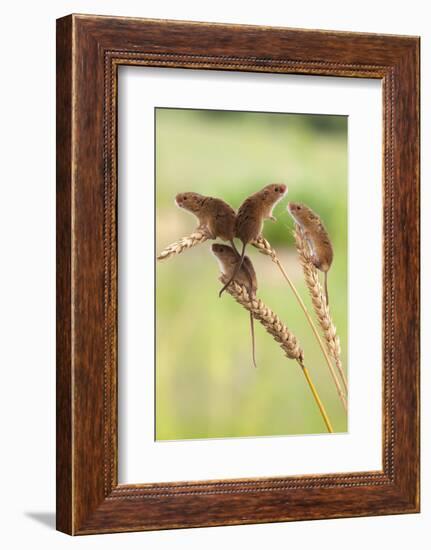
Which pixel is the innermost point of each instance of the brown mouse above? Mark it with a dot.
(316, 236)
(252, 213)
(228, 260)
(214, 215)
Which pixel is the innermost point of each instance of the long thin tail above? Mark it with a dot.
(235, 273)
(253, 345)
(326, 288)
(250, 297)
(234, 247)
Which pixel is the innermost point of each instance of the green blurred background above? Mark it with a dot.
(206, 386)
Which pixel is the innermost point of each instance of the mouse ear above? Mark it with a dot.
(265, 194)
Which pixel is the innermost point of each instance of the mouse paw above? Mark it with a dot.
(205, 230)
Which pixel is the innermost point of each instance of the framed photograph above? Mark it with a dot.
(237, 274)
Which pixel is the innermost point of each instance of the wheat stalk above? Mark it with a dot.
(279, 331)
(265, 248)
(320, 306)
(197, 237)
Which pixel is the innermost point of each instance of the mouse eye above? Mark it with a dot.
(276, 189)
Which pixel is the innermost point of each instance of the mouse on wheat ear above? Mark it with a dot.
(228, 259)
(215, 216)
(251, 215)
(316, 236)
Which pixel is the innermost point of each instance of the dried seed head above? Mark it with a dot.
(268, 319)
(197, 237)
(318, 300)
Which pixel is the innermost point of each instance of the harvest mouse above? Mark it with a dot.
(252, 213)
(316, 236)
(215, 215)
(228, 260)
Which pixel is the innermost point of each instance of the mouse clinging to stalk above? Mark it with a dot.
(316, 236)
(215, 216)
(228, 260)
(251, 215)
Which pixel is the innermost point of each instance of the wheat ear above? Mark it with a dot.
(197, 237)
(265, 248)
(320, 307)
(279, 332)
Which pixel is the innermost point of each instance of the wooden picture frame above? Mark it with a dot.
(89, 51)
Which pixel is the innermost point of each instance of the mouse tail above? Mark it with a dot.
(326, 288)
(235, 273)
(234, 247)
(253, 344)
(250, 297)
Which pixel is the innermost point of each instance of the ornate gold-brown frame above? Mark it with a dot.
(89, 51)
